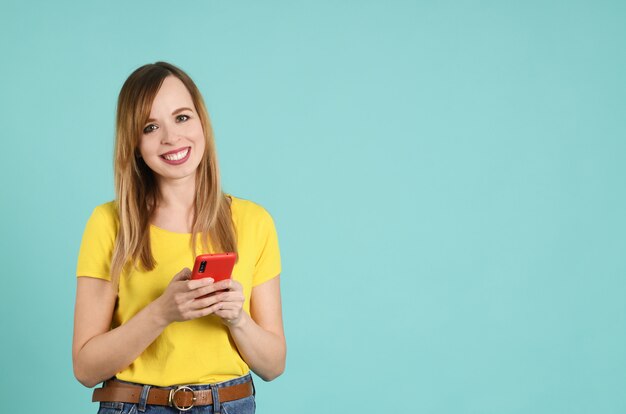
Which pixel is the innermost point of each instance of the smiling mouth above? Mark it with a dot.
(177, 157)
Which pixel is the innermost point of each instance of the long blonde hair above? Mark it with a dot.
(136, 188)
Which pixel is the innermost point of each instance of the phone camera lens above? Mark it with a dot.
(202, 266)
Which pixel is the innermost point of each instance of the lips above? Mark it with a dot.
(177, 156)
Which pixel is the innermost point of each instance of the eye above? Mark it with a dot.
(150, 128)
(182, 118)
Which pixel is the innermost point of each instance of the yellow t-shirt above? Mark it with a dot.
(199, 351)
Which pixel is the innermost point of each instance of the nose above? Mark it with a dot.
(169, 136)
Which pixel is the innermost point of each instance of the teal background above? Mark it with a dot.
(447, 179)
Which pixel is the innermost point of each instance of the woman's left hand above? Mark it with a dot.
(230, 302)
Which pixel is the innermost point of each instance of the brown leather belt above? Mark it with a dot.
(182, 397)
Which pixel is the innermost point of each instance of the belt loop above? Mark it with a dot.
(253, 387)
(143, 399)
(216, 399)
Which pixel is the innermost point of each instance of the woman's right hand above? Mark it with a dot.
(179, 302)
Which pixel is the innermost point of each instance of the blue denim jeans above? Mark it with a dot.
(243, 406)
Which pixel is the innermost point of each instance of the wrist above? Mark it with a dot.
(238, 323)
(156, 315)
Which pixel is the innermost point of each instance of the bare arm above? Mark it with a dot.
(98, 352)
(259, 336)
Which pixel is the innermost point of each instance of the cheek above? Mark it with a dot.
(199, 138)
(196, 131)
(149, 154)
(146, 147)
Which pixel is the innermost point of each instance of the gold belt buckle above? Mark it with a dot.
(172, 403)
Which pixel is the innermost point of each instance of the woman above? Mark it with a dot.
(140, 323)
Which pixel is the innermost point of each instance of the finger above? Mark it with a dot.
(228, 311)
(228, 315)
(205, 311)
(182, 275)
(189, 294)
(229, 307)
(204, 302)
(230, 296)
(202, 291)
(228, 284)
(225, 315)
(199, 313)
(198, 283)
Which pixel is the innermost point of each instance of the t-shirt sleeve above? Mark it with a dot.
(267, 265)
(96, 249)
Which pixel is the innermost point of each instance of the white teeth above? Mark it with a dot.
(177, 156)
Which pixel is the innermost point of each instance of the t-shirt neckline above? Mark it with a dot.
(232, 199)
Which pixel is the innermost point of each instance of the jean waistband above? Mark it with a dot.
(181, 397)
(239, 380)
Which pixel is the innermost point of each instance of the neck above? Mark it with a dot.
(178, 195)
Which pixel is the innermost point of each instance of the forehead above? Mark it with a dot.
(172, 95)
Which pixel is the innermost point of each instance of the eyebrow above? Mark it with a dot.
(177, 111)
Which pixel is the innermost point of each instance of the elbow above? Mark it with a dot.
(84, 378)
(278, 367)
(274, 373)
(86, 381)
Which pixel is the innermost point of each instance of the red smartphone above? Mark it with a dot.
(218, 266)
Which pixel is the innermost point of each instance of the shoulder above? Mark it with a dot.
(105, 216)
(251, 218)
(243, 209)
(107, 211)
(257, 239)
